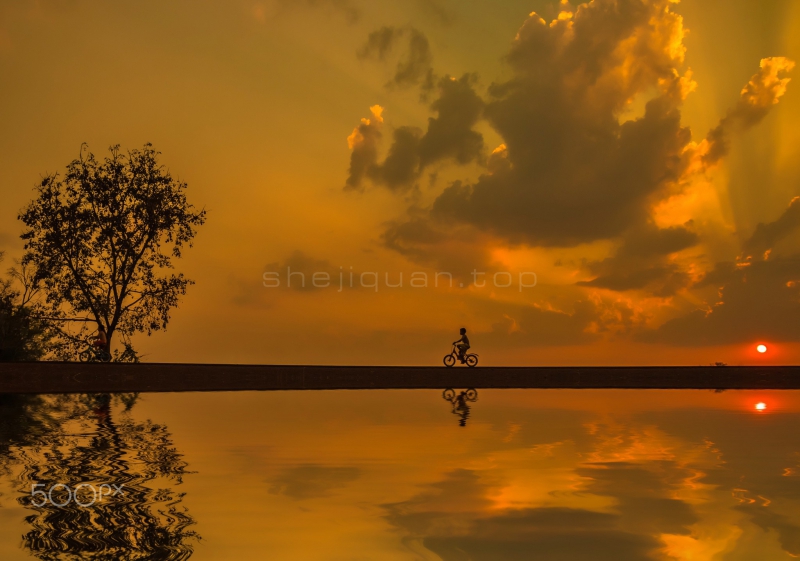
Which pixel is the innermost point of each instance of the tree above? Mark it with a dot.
(102, 240)
(23, 334)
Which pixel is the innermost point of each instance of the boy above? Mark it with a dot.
(101, 341)
(462, 344)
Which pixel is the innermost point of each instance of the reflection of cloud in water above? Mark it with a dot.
(751, 468)
(449, 519)
(312, 481)
(538, 475)
(466, 515)
(787, 527)
(643, 495)
(545, 533)
(648, 486)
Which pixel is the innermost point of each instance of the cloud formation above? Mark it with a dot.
(414, 64)
(455, 518)
(574, 166)
(764, 90)
(592, 144)
(757, 296)
(767, 235)
(577, 170)
(643, 262)
(449, 135)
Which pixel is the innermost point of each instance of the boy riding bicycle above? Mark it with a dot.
(462, 344)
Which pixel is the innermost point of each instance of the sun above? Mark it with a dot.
(761, 348)
(761, 406)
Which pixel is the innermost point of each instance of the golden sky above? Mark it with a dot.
(638, 156)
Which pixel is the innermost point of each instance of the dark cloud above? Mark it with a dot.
(767, 235)
(759, 300)
(576, 170)
(642, 262)
(411, 237)
(313, 481)
(574, 166)
(577, 166)
(449, 135)
(456, 249)
(763, 91)
(402, 164)
(758, 296)
(414, 64)
(363, 142)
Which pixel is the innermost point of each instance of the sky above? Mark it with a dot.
(602, 183)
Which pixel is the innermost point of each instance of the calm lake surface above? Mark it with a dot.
(402, 475)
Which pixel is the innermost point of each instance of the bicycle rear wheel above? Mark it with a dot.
(472, 361)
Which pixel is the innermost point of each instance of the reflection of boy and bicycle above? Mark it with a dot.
(459, 402)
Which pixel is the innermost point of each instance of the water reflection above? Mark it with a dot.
(62, 442)
(459, 402)
(553, 475)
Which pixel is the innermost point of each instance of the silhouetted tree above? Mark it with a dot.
(102, 239)
(23, 334)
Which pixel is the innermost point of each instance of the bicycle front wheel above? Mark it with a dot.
(85, 355)
(449, 361)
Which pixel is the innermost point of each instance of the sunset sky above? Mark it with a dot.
(639, 157)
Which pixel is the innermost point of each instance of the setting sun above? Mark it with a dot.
(761, 406)
(761, 348)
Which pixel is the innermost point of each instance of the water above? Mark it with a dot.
(402, 475)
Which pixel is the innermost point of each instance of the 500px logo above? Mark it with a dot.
(61, 494)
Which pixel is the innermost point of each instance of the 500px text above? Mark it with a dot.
(61, 494)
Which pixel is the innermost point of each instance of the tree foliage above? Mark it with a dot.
(103, 238)
(23, 334)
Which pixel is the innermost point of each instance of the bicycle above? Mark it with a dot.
(94, 354)
(459, 401)
(470, 359)
(450, 395)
